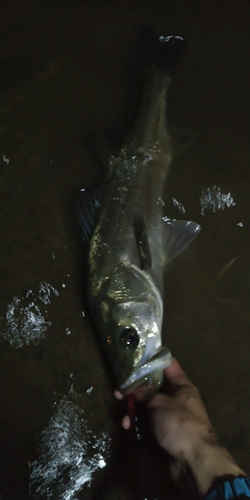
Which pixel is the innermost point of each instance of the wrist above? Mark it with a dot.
(210, 462)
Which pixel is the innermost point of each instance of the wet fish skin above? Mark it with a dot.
(131, 245)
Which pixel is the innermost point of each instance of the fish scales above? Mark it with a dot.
(131, 243)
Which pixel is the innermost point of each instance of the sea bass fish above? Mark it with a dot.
(130, 242)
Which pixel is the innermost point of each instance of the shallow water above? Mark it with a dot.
(66, 72)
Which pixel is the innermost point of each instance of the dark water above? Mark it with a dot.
(65, 71)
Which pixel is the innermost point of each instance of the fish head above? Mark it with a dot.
(131, 318)
(138, 339)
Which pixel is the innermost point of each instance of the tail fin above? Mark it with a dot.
(162, 51)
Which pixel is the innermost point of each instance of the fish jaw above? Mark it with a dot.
(151, 371)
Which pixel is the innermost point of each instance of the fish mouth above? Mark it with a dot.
(151, 371)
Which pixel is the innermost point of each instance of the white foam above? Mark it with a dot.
(26, 323)
(69, 452)
(45, 290)
(179, 205)
(160, 202)
(214, 199)
(6, 160)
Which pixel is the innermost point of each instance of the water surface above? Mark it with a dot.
(67, 70)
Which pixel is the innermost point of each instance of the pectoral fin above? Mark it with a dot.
(177, 234)
(89, 202)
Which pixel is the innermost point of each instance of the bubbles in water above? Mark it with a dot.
(45, 291)
(69, 452)
(160, 202)
(25, 322)
(179, 205)
(6, 160)
(214, 199)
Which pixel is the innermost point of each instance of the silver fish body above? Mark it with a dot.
(131, 244)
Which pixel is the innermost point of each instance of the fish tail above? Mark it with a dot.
(160, 51)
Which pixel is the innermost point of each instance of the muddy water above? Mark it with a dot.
(66, 72)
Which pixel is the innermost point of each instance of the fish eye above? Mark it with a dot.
(129, 338)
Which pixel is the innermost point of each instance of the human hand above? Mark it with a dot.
(182, 427)
(178, 416)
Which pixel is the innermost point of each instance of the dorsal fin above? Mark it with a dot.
(90, 200)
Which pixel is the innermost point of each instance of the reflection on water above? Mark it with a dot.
(66, 72)
(179, 205)
(26, 318)
(233, 281)
(214, 199)
(69, 452)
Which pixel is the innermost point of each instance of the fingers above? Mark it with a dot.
(144, 393)
(118, 395)
(126, 422)
(140, 393)
(174, 369)
(174, 380)
(176, 383)
(174, 377)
